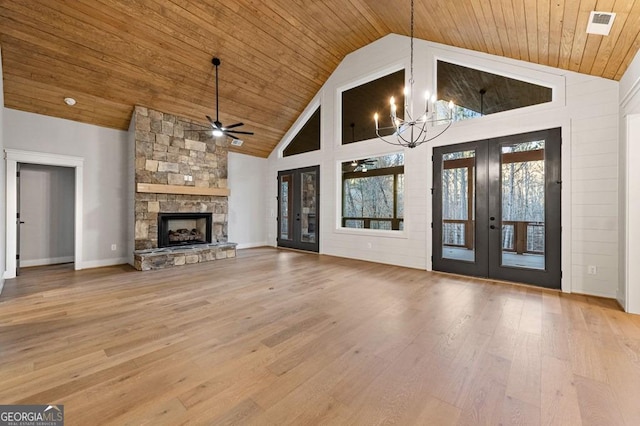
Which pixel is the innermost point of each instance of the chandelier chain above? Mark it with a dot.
(411, 29)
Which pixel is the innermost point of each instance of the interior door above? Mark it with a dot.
(496, 208)
(298, 208)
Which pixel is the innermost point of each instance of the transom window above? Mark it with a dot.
(360, 103)
(477, 93)
(373, 193)
(307, 139)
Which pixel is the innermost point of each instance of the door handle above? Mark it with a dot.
(492, 227)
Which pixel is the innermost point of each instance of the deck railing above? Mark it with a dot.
(517, 236)
(388, 223)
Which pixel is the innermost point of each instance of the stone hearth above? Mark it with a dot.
(146, 260)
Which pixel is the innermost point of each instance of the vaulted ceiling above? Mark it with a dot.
(111, 55)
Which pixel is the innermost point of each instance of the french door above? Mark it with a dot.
(298, 208)
(496, 208)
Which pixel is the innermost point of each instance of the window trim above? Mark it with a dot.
(554, 81)
(299, 124)
(340, 229)
(364, 79)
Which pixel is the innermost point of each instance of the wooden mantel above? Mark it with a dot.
(179, 189)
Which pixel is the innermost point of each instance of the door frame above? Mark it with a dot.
(566, 282)
(552, 211)
(630, 207)
(15, 156)
(311, 247)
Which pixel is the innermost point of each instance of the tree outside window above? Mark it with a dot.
(373, 193)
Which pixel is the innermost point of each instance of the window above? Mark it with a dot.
(307, 139)
(373, 193)
(476, 93)
(362, 102)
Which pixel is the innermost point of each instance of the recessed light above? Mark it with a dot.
(70, 101)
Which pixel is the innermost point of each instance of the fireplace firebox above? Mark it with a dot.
(180, 229)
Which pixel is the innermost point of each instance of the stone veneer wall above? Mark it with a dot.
(167, 152)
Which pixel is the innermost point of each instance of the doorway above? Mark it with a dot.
(46, 201)
(496, 208)
(298, 208)
(13, 158)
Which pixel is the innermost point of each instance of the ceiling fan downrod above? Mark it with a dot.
(216, 63)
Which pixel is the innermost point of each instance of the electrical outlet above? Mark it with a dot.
(592, 270)
(113, 247)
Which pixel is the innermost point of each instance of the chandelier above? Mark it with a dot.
(413, 130)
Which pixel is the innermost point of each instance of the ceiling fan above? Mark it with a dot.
(358, 165)
(217, 128)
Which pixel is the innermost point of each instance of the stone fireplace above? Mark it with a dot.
(179, 171)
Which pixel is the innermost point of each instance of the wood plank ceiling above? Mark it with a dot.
(111, 55)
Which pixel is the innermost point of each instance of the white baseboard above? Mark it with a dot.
(250, 245)
(585, 292)
(1, 284)
(104, 262)
(47, 261)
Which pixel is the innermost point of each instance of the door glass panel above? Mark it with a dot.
(523, 205)
(458, 210)
(308, 214)
(285, 207)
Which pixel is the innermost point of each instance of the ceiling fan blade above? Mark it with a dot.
(213, 123)
(234, 125)
(238, 132)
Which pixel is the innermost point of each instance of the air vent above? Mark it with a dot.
(600, 23)
(237, 142)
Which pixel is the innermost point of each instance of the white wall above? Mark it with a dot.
(629, 247)
(47, 210)
(104, 152)
(585, 107)
(246, 177)
(2, 182)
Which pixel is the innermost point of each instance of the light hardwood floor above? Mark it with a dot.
(280, 337)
